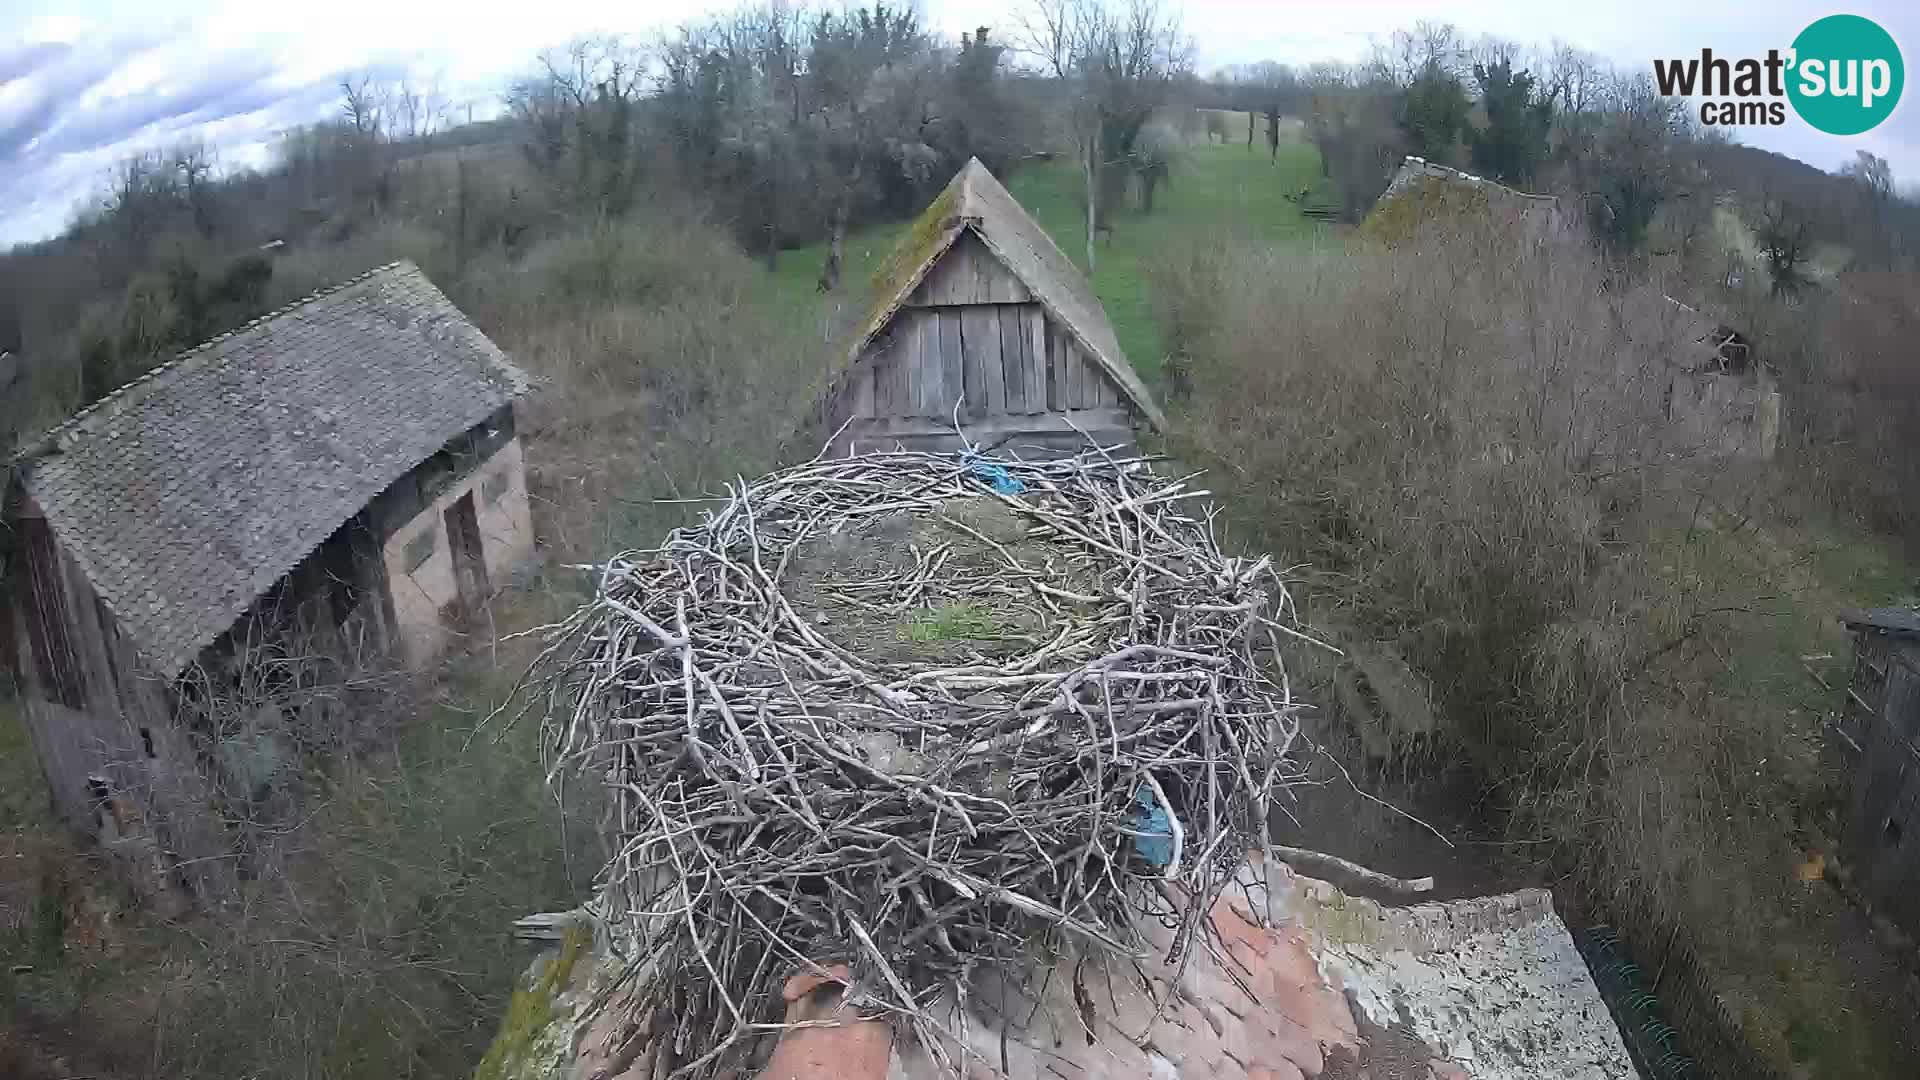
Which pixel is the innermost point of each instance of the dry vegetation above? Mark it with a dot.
(1463, 437)
(370, 937)
(1847, 355)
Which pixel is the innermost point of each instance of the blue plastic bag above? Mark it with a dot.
(994, 476)
(1155, 829)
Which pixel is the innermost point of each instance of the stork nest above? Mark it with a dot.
(923, 714)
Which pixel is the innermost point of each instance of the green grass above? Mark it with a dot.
(1796, 582)
(23, 790)
(953, 622)
(1217, 189)
(1776, 664)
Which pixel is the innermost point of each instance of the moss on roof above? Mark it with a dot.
(1395, 220)
(923, 240)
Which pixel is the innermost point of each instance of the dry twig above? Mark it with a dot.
(758, 830)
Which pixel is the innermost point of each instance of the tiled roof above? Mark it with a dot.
(185, 495)
(975, 200)
(1901, 622)
(1414, 169)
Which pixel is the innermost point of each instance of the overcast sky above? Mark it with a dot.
(84, 83)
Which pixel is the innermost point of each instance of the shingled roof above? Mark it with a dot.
(185, 495)
(974, 200)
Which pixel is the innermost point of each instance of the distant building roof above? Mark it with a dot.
(183, 496)
(975, 200)
(1901, 621)
(1413, 169)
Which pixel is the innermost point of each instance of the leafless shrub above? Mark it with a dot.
(667, 370)
(1464, 436)
(367, 936)
(1854, 394)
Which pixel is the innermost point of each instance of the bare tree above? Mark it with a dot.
(363, 105)
(1786, 238)
(1408, 54)
(1488, 50)
(1872, 172)
(419, 109)
(1574, 79)
(577, 115)
(1118, 65)
(854, 61)
(193, 161)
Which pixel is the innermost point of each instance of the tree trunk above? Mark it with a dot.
(830, 272)
(461, 213)
(1249, 130)
(1093, 192)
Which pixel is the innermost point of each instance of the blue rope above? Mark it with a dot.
(992, 475)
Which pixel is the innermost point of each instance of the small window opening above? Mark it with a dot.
(146, 741)
(419, 550)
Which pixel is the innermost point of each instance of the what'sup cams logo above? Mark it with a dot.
(1843, 75)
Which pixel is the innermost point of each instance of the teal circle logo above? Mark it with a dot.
(1846, 74)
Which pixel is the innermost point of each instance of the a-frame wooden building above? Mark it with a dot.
(979, 317)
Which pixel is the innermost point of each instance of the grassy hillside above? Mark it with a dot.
(1218, 189)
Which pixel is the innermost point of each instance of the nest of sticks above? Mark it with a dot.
(1099, 742)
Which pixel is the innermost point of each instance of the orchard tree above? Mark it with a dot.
(1433, 113)
(1514, 142)
(1118, 65)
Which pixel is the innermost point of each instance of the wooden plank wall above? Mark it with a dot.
(973, 334)
(969, 274)
(972, 328)
(1005, 359)
(1883, 826)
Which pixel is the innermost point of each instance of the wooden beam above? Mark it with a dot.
(1013, 358)
(1035, 332)
(982, 330)
(953, 360)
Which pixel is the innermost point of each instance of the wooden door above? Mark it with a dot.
(463, 543)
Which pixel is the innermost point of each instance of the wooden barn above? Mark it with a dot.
(344, 471)
(1878, 736)
(980, 319)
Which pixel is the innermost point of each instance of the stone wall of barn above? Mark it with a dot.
(118, 767)
(419, 555)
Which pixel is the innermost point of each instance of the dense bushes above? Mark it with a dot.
(1853, 394)
(1463, 438)
(1461, 441)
